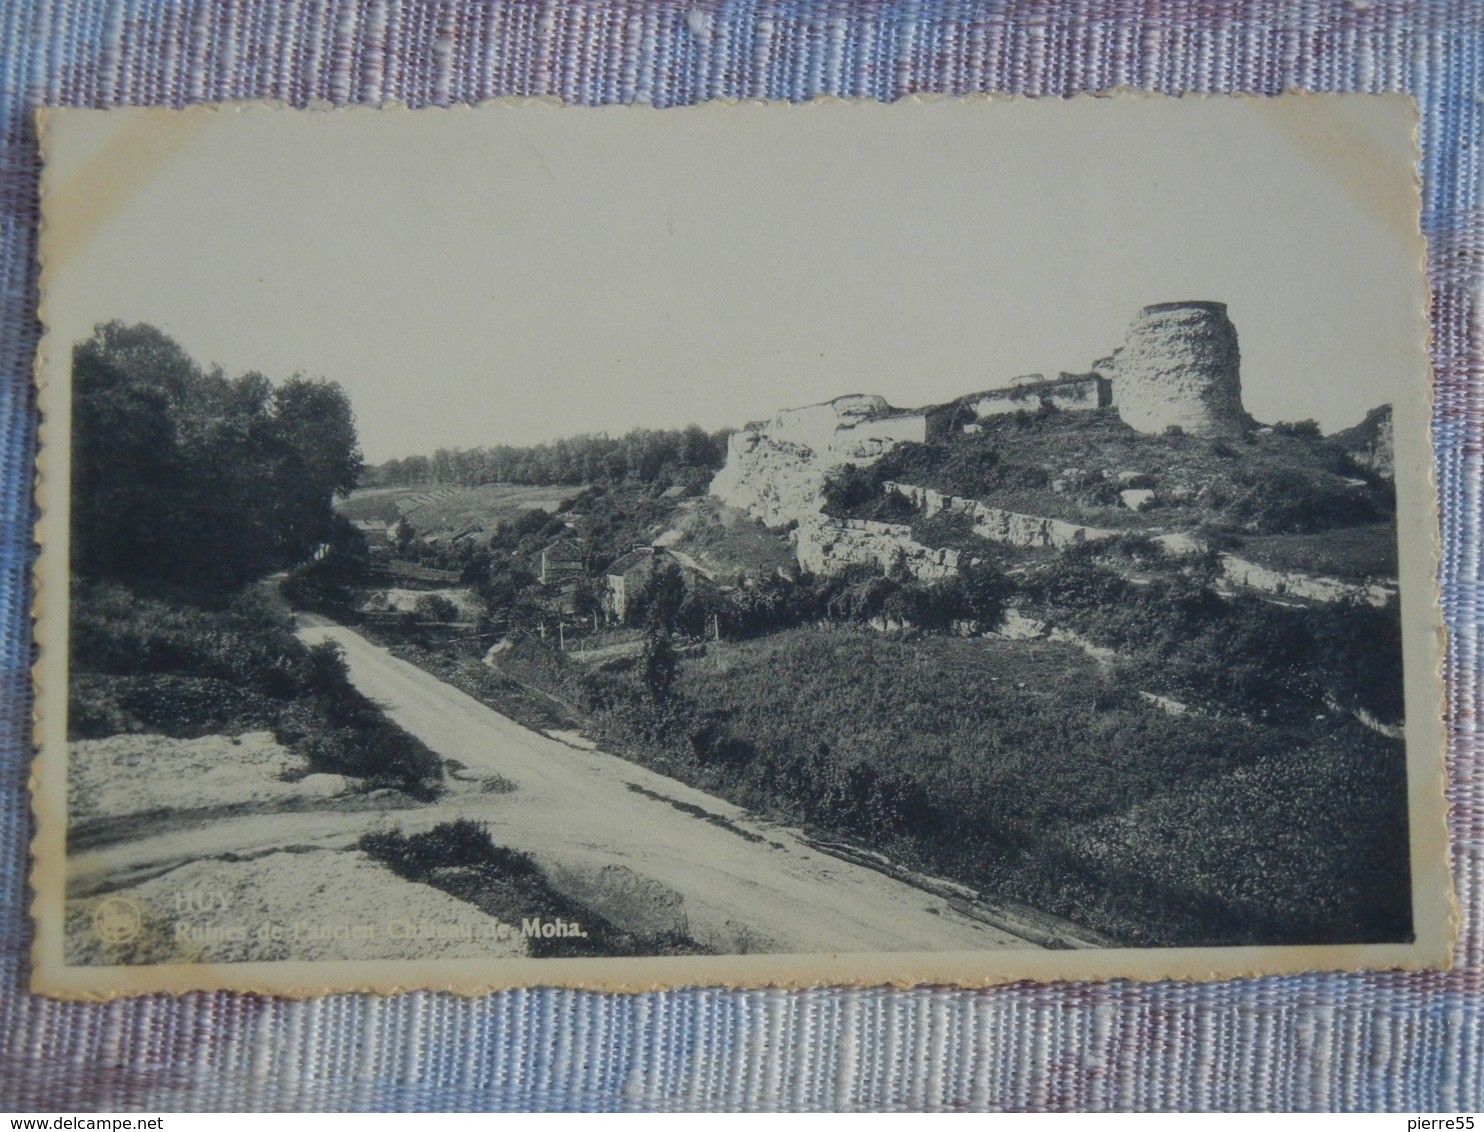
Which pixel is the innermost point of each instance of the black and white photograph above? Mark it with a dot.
(947, 541)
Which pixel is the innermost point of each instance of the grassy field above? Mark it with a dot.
(1352, 553)
(1024, 768)
(435, 510)
(1017, 768)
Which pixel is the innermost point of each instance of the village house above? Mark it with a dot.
(559, 563)
(373, 529)
(625, 578)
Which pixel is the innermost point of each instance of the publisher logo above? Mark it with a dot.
(117, 919)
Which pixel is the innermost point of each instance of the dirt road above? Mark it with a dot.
(646, 851)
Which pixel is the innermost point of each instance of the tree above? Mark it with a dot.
(587, 601)
(435, 607)
(183, 476)
(402, 535)
(661, 665)
(318, 459)
(979, 592)
(662, 596)
(848, 487)
(119, 426)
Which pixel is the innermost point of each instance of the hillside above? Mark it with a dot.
(1284, 502)
(439, 512)
(1077, 467)
(1029, 639)
(725, 540)
(1019, 766)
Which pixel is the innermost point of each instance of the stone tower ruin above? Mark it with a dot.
(1180, 366)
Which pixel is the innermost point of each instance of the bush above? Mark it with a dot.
(455, 843)
(147, 664)
(1284, 502)
(1240, 653)
(1309, 429)
(1071, 794)
(435, 608)
(848, 487)
(181, 707)
(1306, 845)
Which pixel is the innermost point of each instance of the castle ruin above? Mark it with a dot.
(1179, 367)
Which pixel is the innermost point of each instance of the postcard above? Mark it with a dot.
(951, 541)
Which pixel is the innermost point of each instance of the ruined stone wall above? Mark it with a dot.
(995, 523)
(826, 546)
(775, 469)
(1311, 587)
(1180, 366)
(1015, 529)
(1071, 392)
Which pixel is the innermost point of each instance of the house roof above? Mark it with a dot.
(563, 547)
(648, 555)
(633, 559)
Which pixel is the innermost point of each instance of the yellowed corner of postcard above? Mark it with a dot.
(948, 542)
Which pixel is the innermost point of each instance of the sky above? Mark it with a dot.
(517, 273)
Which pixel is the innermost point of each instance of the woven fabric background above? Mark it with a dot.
(1376, 1041)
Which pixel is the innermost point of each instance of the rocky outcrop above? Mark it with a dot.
(1180, 367)
(775, 469)
(997, 524)
(1015, 529)
(1370, 442)
(1136, 498)
(1309, 587)
(826, 546)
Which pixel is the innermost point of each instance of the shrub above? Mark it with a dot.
(912, 747)
(849, 487)
(147, 664)
(455, 843)
(661, 666)
(1308, 429)
(435, 607)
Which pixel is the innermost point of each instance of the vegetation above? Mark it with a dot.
(1023, 771)
(530, 685)
(189, 487)
(1073, 466)
(149, 664)
(461, 858)
(685, 458)
(325, 584)
(1027, 769)
(1216, 776)
(1239, 654)
(186, 478)
(1355, 553)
